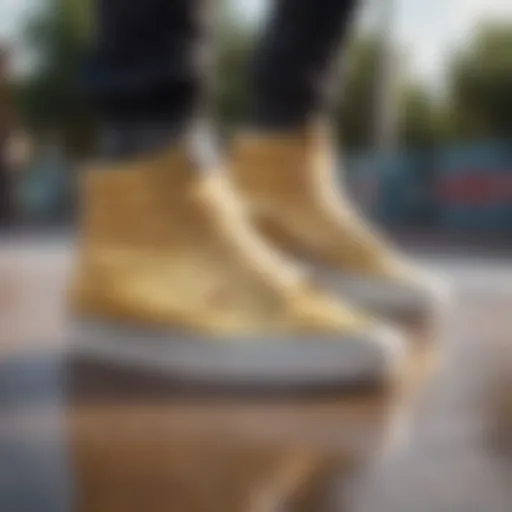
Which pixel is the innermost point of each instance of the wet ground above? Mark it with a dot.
(453, 458)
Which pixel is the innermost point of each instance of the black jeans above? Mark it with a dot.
(148, 62)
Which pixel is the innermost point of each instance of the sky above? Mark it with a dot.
(428, 29)
(432, 29)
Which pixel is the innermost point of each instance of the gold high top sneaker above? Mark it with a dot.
(287, 181)
(171, 275)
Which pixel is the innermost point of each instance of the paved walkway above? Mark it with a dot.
(453, 460)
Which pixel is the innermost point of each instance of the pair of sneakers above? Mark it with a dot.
(195, 273)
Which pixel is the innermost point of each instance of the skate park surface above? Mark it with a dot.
(449, 449)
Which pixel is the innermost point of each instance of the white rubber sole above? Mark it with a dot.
(273, 361)
(400, 304)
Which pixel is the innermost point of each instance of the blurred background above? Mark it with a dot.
(424, 115)
(424, 123)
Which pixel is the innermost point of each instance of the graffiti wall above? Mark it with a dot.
(461, 188)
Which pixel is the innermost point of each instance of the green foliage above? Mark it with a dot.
(420, 120)
(51, 99)
(481, 85)
(355, 118)
(232, 94)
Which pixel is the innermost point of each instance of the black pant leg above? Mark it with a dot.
(294, 61)
(144, 66)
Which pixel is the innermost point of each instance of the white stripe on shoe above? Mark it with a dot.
(273, 361)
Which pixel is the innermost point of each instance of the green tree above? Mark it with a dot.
(232, 87)
(420, 122)
(50, 95)
(480, 85)
(418, 116)
(356, 113)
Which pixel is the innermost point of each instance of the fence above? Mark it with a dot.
(462, 188)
